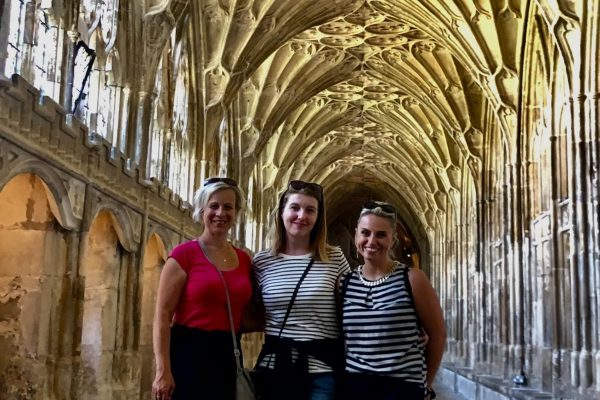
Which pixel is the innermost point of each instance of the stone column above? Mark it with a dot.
(123, 114)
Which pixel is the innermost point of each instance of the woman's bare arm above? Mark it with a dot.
(427, 306)
(172, 280)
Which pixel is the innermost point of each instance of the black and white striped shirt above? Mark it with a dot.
(313, 314)
(381, 329)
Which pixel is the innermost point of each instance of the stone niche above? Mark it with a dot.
(33, 249)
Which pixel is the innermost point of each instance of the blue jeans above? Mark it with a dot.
(321, 386)
(317, 386)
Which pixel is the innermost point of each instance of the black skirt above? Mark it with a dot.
(203, 364)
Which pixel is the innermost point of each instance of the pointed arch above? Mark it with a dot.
(58, 194)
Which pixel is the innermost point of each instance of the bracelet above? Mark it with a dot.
(430, 394)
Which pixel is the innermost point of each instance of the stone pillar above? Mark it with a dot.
(123, 114)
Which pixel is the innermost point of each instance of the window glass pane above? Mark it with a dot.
(158, 129)
(102, 108)
(15, 37)
(84, 57)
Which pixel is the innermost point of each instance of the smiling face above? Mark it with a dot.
(299, 215)
(219, 213)
(374, 238)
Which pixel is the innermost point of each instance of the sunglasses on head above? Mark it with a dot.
(215, 179)
(385, 207)
(300, 185)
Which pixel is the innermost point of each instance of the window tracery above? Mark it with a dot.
(180, 145)
(171, 148)
(158, 128)
(83, 60)
(102, 93)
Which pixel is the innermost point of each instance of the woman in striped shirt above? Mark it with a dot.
(385, 307)
(302, 340)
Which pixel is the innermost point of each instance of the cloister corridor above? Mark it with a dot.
(477, 119)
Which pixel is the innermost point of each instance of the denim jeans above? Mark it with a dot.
(321, 386)
(316, 386)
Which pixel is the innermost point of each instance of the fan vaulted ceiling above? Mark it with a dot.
(389, 99)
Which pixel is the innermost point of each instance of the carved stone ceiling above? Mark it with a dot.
(390, 95)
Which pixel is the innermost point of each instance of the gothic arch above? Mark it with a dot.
(105, 267)
(58, 194)
(122, 223)
(35, 250)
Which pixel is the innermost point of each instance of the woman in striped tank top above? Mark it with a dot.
(385, 307)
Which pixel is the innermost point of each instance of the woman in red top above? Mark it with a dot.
(192, 334)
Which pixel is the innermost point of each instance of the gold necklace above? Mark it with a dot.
(224, 257)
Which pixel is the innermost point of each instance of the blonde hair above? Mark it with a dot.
(203, 194)
(318, 235)
(378, 211)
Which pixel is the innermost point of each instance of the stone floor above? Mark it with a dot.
(445, 393)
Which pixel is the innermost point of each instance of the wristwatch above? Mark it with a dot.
(430, 393)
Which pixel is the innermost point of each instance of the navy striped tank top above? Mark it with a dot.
(381, 329)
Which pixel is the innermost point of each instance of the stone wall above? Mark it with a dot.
(82, 238)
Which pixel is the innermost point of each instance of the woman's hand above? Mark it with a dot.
(423, 337)
(429, 393)
(163, 386)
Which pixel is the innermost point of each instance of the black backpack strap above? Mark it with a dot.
(345, 282)
(339, 299)
(406, 279)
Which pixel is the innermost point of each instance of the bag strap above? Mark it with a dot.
(344, 286)
(341, 290)
(291, 303)
(236, 350)
(289, 309)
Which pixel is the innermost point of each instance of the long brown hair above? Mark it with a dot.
(318, 235)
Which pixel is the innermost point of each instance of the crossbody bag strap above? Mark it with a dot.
(289, 309)
(236, 350)
(291, 303)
